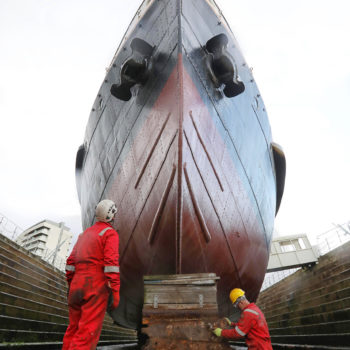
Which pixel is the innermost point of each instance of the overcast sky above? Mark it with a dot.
(53, 56)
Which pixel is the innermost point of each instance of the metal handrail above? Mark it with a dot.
(8, 228)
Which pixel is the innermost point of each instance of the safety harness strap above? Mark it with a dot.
(111, 269)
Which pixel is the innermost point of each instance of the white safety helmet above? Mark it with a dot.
(105, 210)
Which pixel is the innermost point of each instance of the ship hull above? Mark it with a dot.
(191, 171)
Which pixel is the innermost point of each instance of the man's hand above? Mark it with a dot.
(115, 302)
(228, 321)
(217, 332)
(223, 323)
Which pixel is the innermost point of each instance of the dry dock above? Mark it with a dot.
(307, 310)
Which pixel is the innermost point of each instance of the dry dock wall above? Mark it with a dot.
(312, 307)
(33, 303)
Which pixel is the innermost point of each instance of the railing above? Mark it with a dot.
(55, 260)
(326, 242)
(333, 238)
(274, 277)
(8, 228)
(11, 230)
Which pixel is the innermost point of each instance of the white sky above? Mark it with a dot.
(53, 56)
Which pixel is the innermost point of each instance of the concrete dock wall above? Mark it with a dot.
(312, 307)
(33, 303)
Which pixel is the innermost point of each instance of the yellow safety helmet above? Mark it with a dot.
(236, 294)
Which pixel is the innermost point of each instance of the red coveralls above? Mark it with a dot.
(92, 273)
(252, 325)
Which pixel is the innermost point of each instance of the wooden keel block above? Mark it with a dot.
(178, 311)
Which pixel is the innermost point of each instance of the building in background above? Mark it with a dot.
(49, 240)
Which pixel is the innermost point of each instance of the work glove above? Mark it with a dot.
(217, 332)
(115, 302)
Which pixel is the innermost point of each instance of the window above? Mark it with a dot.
(287, 246)
(301, 243)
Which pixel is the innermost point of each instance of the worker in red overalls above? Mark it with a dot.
(92, 272)
(251, 325)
